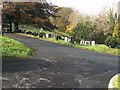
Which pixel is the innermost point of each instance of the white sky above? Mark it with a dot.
(86, 6)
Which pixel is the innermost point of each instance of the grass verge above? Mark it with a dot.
(98, 47)
(117, 82)
(11, 48)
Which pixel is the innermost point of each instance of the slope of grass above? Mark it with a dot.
(27, 28)
(11, 48)
(100, 48)
(117, 82)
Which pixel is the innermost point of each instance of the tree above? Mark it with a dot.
(8, 13)
(111, 20)
(62, 18)
(83, 30)
(111, 41)
(74, 18)
(30, 13)
(104, 25)
(116, 32)
(1, 7)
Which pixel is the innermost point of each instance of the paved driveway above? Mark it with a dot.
(58, 66)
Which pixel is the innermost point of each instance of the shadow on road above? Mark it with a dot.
(47, 73)
(19, 65)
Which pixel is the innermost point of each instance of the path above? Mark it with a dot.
(58, 66)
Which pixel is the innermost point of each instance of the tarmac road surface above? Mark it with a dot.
(58, 66)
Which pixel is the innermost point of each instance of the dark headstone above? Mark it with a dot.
(72, 40)
(28, 32)
(58, 38)
(41, 35)
(35, 34)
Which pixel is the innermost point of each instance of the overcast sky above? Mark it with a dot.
(86, 6)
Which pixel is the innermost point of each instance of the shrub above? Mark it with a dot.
(111, 41)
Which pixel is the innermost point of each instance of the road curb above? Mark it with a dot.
(111, 83)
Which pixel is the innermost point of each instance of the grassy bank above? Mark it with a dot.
(11, 48)
(117, 82)
(98, 47)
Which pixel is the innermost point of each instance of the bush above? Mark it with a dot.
(111, 41)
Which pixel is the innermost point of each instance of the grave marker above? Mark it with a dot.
(66, 39)
(82, 42)
(87, 42)
(93, 43)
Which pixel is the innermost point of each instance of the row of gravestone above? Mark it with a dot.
(60, 37)
(82, 42)
(72, 40)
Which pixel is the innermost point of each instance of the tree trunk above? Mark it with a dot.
(1, 26)
(10, 23)
(1, 30)
(16, 26)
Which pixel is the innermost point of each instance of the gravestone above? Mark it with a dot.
(5, 29)
(87, 42)
(58, 38)
(75, 42)
(82, 42)
(66, 39)
(72, 40)
(52, 35)
(48, 35)
(35, 33)
(29, 32)
(93, 43)
(41, 35)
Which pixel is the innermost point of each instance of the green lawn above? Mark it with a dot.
(117, 82)
(98, 47)
(27, 28)
(101, 48)
(11, 48)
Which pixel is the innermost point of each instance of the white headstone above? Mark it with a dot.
(66, 39)
(87, 42)
(92, 43)
(82, 42)
(47, 35)
(75, 42)
(41, 29)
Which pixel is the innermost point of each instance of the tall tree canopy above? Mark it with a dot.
(62, 19)
(34, 13)
(83, 30)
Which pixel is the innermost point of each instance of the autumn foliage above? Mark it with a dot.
(32, 13)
